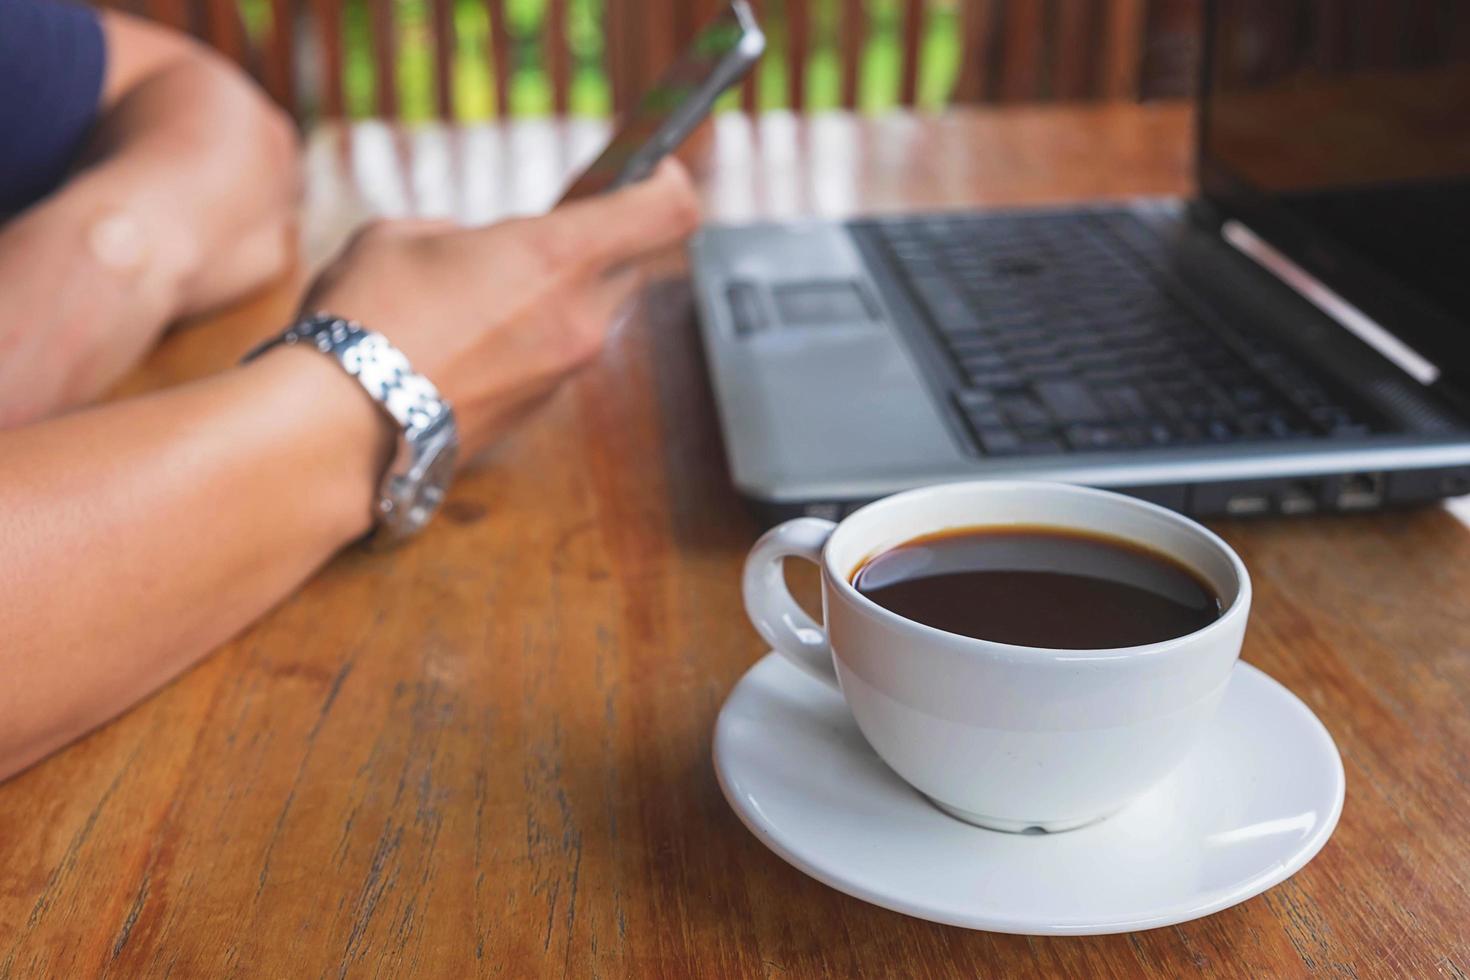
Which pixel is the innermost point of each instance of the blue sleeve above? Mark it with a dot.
(52, 59)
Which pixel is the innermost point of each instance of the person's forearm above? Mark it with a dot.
(184, 202)
(137, 536)
(83, 300)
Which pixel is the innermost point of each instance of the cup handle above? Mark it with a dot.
(768, 602)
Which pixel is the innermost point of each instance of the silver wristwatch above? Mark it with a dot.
(414, 485)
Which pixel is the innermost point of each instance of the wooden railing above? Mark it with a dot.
(1009, 50)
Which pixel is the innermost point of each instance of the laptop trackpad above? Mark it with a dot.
(822, 302)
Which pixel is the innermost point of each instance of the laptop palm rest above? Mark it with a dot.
(812, 378)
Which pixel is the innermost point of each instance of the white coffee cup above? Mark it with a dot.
(1007, 737)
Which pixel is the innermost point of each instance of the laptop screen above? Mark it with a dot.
(1340, 131)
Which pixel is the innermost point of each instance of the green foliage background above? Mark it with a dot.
(591, 93)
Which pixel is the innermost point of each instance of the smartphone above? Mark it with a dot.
(720, 55)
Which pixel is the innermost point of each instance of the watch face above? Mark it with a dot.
(435, 468)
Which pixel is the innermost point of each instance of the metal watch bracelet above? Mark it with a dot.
(414, 483)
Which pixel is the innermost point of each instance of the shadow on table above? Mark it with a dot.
(705, 510)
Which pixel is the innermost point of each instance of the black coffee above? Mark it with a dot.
(1039, 587)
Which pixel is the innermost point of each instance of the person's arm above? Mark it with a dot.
(137, 536)
(182, 200)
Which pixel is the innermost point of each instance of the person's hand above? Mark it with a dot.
(498, 317)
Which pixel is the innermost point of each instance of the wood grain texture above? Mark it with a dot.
(1069, 50)
(327, 17)
(750, 88)
(224, 32)
(913, 51)
(643, 37)
(852, 34)
(501, 65)
(654, 41)
(278, 70)
(798, 52)
(1023, 44)
(1073, 61)
(558, 55)
(174, 13)
(442, 29)
(621, 40)
(981, 51)
(385, 57)
(488, 753)
(1123, 46)
(1172, 47)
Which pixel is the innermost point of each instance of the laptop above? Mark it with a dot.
(1294, 339)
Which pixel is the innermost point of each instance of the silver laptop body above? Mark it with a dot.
(834, 384)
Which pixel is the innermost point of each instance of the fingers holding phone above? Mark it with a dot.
(719, 56)
(498, 317)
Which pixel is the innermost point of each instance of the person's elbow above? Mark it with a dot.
(250, 148)
(161, 81)
(277, 148)
(251, 136)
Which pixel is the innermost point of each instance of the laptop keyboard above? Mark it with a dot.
(1062, 339)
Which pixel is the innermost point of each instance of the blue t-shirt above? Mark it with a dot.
(52, 60)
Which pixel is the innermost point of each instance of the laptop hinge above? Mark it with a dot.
(1316, 292)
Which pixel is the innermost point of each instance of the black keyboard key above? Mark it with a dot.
(1338, 422)
(1265, 355)
(1219, 430)
(1252, 426)
(1024, 412)
(1070, 401)
(1092, 437)
(1045, 368)
(897, 231)
(1124, 402)
(1009, 331)
(1172, 365)
(1032, 353)
(1329, 417)
(946, 307)
(1171, 408)
(980, 363)
(1045, 371)
(1248, 397)
(1104, 379)
(1308, 395)
(994, 380)
(1160, 434)
(1197, 411)
(1094, 362)
(910, 253)
(999, 442)
(969, 399)
(986, 418)
(1037, 444)
(972, 342)
(980, 410)
(1279, 428)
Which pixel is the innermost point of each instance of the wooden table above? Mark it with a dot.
(489, 752)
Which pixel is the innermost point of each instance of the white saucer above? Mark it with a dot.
(1255, 800)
